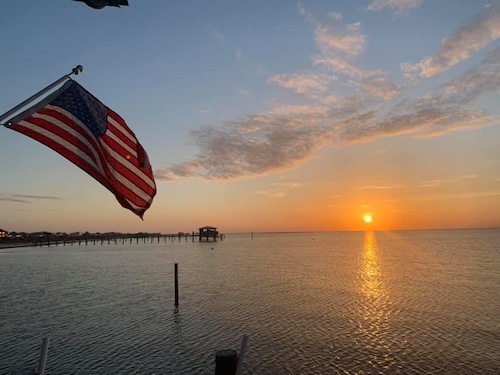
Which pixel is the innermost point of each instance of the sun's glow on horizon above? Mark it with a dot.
(367, 218)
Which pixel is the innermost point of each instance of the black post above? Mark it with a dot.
(226, 362)
(176, 285)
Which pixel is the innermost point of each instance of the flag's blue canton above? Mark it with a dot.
(90, 111)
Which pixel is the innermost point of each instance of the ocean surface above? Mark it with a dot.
(406, 302)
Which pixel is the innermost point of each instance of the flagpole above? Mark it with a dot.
(76, 70)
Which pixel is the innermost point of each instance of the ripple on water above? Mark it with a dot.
(345, 303)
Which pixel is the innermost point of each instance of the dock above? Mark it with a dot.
(206, 233)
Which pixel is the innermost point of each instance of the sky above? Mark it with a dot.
(266, 115)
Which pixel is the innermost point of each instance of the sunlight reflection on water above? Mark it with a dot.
(374, 306)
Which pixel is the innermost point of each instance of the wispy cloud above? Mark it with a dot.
(240, 55)
(279, 189)
(345, 105)
(24, 198)
(400, 7)
(308, 84)
(461, 45)
(217, 35)
(378, 187)
(252, 146)
(349, 40)
(336, 196)
(440, 196)
(479, 194)
(335, 16)
(432, 183)
(243, 93)
(271, 193)
(484, 78)
(12, 199)
(448, 109)
(469, 176)
(291, 185)
(338, 47)
(380, 86)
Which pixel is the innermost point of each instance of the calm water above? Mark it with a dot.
(313, 303)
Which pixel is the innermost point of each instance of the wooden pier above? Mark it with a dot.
(49, 239)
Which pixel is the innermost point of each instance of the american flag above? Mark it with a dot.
(75, 124)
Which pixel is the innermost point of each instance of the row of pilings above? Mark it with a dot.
(106, 239)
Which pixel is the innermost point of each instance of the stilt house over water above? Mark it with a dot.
(207, 233)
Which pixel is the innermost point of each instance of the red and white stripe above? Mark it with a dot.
(111, 159)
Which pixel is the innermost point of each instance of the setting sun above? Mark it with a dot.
(367, 218)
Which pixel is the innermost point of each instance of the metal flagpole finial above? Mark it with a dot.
(77, 70)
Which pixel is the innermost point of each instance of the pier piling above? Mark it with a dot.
(243, 348)
(176, 271)
(226, 362)
(43, 356)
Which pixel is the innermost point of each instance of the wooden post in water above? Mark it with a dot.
(243, 347)
(43, 356)
(226, 362)
(176, 272)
